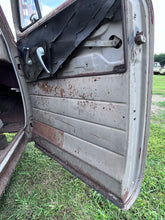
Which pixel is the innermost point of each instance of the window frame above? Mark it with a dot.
(19, 12)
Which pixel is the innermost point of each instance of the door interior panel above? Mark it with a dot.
(90, 115)
(80, 116)
(86, 131)
(65, 35)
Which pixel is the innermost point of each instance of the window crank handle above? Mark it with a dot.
(40, 52)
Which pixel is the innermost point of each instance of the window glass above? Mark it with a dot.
(47, 6)
(28, 12)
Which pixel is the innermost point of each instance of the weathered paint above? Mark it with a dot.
(10, 156)
(108, 138)
(95, 109)
(89, 108)
(51, 134)
(151, 11)
(80, 88)
(103, 113)
(5, 175)
(82, 169)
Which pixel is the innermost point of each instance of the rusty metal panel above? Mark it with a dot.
(114, 88)
(102, 159)
(82, 169)
(108, 138)
(7, 171)
(51, 134)
(109, 114)
(102, 121)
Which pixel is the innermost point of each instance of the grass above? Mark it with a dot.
(159, 85)
(42, 189)
(161, 104)
(9, 136)
(158, 119)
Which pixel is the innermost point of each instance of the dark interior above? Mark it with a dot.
(11, 106)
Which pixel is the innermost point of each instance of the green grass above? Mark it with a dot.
(41, 189)
(159, 85)
(161, 104)
(159, 118)
(9, 136)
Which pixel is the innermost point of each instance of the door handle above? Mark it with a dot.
(40, 52)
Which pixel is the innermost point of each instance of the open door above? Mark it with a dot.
(15, 113)
(88, 67)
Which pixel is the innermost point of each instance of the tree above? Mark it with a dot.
(160, 58)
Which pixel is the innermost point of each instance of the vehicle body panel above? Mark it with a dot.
(10, 156)
(91, 114)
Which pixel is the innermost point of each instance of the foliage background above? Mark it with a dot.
(160, 58)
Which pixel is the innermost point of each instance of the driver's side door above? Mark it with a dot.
(88, 68)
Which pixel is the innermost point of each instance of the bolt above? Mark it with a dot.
(140, 38)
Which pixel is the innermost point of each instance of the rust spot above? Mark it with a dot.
(82, 96)
(70, 87)
(151, 12)
(124, 198)
(140, 150)
(93, 105)
(96, 79)
(77, 151)
(49, 133)
(45, 87)
(59, 91)
(94, 135)
(62, 91)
